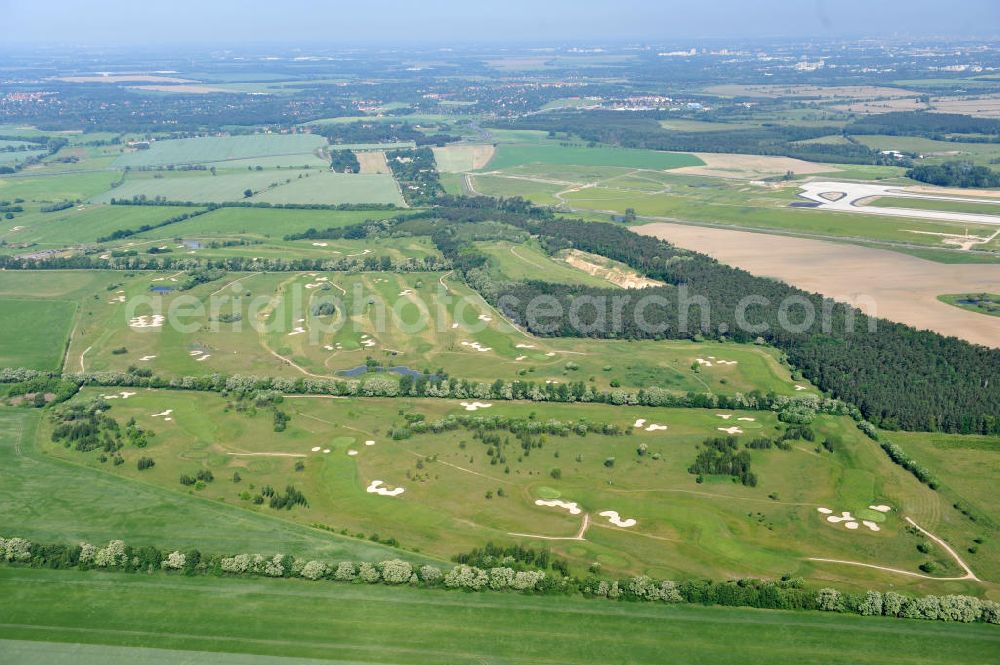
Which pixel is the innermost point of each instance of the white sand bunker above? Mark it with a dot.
(123, 394)
(145, 358)
(825, 511)
(617, 520)
(524, 346)
(369, 443)
(298, 330)
(352, 453)
(520, 358)
(550, 354)
(851, 525)
(798, 387)
(703, 362)
(154, 321)
(454, 325)
(326, 451)
(747, 419)
(871, 525)
(369, 343)
(315, 449)
(551, 381)
(639, 422)
(477, 346)
(196, 352)
(203, 358)
(475, 406)
(730, 430)
(484, 317)
(406, 292)
(163, 413)
(571, 506)
(881, 508)
(376, 488)
(116, 300)
(328, 348)
(725, 416)
(655, 427)
(726, 362)
(319, 244)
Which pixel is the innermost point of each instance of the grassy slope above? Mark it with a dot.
(382, 625)
(515, 155)
(717, 529)
(52, 500)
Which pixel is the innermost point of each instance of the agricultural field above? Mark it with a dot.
(361, 624)
(83, 224)
(413, 323)
(508, 156)
(459, 158)
(934, 151)
(274, 186)
(451, 483)
(34, 332)
(294, 149)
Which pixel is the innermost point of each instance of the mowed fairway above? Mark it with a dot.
(34, 332)
(361, 624)
(424, 321)
(452, 484)
(50, 500)
(296, 149)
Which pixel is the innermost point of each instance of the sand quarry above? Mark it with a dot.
(903, 288)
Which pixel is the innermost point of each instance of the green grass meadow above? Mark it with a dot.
(191, 619)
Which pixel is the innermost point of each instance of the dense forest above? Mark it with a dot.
(897, 376)
(344, 161)
(955, 174)
(939, 126)
(643, 130)
(416, 173)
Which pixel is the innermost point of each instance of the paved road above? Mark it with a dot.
(856, 191)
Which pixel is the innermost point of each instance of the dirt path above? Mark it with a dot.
(82, 368)
(579, 534)
(969, 575)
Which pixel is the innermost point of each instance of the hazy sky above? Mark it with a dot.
(461, 21)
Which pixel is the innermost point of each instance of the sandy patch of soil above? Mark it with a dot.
(902, 288)
(597, 266)
(570, 506)
(617, 520)
(725, 165)
(372, 161)
(375, 487)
